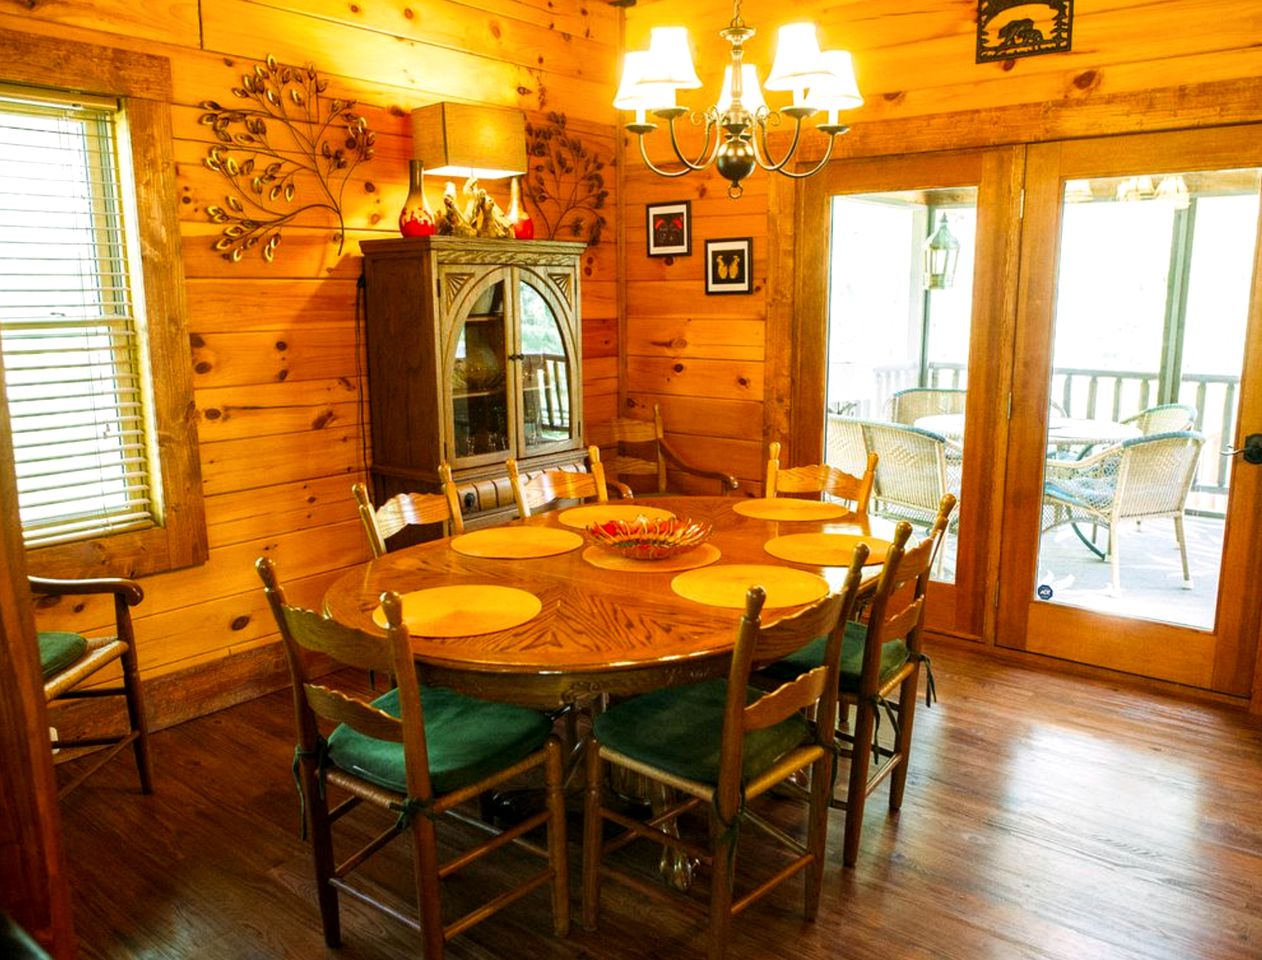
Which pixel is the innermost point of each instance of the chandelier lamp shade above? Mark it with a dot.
(736, 126)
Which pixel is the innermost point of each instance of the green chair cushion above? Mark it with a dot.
(893, 656)
(680, 730)
(58, 650)
(466, 738)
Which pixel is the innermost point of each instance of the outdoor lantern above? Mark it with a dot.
(942, 255)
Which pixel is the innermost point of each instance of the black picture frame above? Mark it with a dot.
(669, 228)
(729, 265)
(1008, 29)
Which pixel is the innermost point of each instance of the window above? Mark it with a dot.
(77, 403)
(104, 451)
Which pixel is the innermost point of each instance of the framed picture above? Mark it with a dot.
(729, 265)
(670, 229)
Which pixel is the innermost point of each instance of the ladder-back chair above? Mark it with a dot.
(820, 479)
(722, 744)
(416, 753)
(70, 660)
(406, 509)
(544, 488)
(640, 449)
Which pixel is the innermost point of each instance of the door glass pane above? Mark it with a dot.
(1151, 306)
(479, 389)
(900, 308)
(545, 370)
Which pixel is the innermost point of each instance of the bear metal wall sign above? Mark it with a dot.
(1020, 28)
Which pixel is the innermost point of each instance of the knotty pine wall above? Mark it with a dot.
(706, 359)
(278, 382)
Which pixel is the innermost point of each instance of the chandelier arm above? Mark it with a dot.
(658, 170)
(770, 165)
(710, 146)
(814, 170)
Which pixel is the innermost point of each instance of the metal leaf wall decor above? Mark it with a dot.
(287, 152)
(565, 183)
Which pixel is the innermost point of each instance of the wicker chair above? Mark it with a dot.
(70, 660)
(548, 486)
(1140, 479)
(407, 509)
(640, 449)
(722, 744)
(416, 754)
(821, 479)
(1165, 418)
(908, 406)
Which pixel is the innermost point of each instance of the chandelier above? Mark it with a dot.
(735, 127)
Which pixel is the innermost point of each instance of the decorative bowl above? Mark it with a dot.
(645, 539)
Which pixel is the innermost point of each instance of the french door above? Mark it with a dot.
(1129, 529)
(904, 293)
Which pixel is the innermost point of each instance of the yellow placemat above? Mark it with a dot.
(585, 516)
(725, 585)
(465, 610)
(790, 508)
(516, 543)
(825, 549)
(606, 559)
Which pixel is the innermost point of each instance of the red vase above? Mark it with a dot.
(523, 226)
(416, 219)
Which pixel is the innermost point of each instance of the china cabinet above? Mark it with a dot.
(473, 351)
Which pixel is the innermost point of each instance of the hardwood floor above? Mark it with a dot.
(1046, 817)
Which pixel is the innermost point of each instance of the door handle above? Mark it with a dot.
(1251, 452)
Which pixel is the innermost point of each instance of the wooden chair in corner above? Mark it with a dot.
(416, 754)
(877, 658)
(406, 509)
(640, 449)
(544, 488)
(721, 744)
(820, 479)
(70, 660)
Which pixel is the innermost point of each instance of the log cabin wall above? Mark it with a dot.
(277, 375)
(723, 384)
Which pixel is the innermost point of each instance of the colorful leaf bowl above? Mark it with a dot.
(645, 539)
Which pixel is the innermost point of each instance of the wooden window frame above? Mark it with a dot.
(143, 82)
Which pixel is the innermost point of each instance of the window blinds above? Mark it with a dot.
(68, 329)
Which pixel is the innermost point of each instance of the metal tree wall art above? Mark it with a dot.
(285, 143)
(565, 182)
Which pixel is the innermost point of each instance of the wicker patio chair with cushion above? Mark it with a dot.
(407, 509)
(913, 471)
(417, 754)
(640, 449)
(722, 744)
(70, 660)
(820, 479)
(1146, 478)
(548, 486)
(908, 406)
(878, 657)
(1165, 418)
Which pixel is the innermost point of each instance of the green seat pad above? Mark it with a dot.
(680, 729)
(893, 656)
(466, 738)
(59, 650)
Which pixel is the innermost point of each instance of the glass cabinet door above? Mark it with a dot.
(479, 382)
(545, 373)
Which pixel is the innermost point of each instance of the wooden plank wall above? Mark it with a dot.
(706, 359)
(278, 377)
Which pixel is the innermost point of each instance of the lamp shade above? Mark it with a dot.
(634, 92)
(670, 59)
(798, 63)
(836, 88)
(751, 93)
(468, 140)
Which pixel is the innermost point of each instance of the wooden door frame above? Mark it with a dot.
(1219, 660)
(961, 610)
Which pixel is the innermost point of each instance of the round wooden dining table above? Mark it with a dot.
(598, 631)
